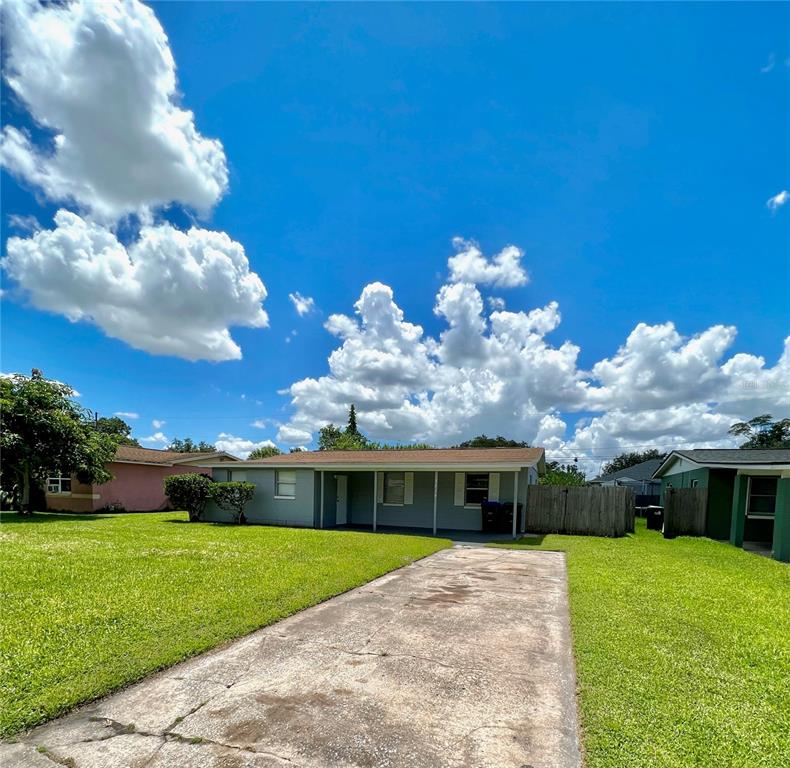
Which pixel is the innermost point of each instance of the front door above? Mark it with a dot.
(342, 500)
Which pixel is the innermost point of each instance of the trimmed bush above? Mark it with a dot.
(233, 497)
(190, 492)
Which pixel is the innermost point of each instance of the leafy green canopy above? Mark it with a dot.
(562, 474)
(190, 491)
(763, 432)
(630, 459)
(233, 497)
(483, 441)
(264, 452)
(112, 425)
(188, 445)
(42, 430)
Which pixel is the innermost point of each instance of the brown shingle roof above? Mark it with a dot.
(481, 456)
(131, 453)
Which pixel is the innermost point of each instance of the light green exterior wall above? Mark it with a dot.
(719, 483)
(264, 507)
(782, 521)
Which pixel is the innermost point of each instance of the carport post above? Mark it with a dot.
(435, 497)
(524, 512)
(515, 502)
(375, 497)
(321, 514)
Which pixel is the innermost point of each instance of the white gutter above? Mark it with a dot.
(375, 467)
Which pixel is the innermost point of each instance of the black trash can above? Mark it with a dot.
(655, 518)
(491, 511)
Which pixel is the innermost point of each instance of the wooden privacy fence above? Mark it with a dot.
(591, 510)
(685, 512)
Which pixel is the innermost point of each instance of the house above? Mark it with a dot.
(639, 478)
(432, 489)
(137, 484)
(748, 493)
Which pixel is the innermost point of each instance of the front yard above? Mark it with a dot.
(91, 603)
(682, 651)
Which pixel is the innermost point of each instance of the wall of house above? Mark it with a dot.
(721, 483)
(419, 514)
(264, 507)
(79, 499)
(684, 480)
(781, 544)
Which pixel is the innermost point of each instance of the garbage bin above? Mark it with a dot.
(655, 518)
(491, 511)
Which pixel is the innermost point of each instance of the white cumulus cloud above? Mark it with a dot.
(168, 293)
(157, 423)
(158, 438)
(127, 415)
(469, 264)
(498, 373)
(303, 305)
(100, 78)
(778, 200)
(240, 446)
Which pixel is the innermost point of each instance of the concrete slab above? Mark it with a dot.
(461, 659)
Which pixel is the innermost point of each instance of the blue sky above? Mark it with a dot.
(628, 150)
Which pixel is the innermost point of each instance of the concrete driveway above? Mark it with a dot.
(462, 659)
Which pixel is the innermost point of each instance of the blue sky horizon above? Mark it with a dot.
(563, 223)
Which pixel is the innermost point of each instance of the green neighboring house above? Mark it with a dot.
(748, 493)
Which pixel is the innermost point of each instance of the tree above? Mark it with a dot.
(630, 459)
(188, 445)
(332, 438)
(482, 441)
(112, 425)
(233, 497)
(43, 430)
(562, 474)
(763, 432)
(351, 429)
(264, 452)
(190, 491)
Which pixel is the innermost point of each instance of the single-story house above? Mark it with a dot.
(433, 489)
(137, 484)
(639, 478)
(748, 492)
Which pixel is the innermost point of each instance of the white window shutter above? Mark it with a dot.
(379, 487)
(460, 482)
(408, 488)
(493, 486)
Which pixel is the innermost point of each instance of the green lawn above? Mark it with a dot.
(682, 651)
(91, 603)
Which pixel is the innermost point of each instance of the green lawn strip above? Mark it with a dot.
(92, 603)
(682, 651)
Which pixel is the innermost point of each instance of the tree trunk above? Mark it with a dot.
(24, 507)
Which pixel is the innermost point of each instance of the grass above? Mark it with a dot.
(682, 651)
(92, 603)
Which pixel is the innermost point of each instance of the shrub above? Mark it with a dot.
(233, 497)
(190, 492)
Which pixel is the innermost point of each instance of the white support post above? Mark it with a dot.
(524, 511)
(321, 514)
(375, 497)
(515, 502)
(435, 497)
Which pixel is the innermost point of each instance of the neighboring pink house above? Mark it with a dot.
(138, 480)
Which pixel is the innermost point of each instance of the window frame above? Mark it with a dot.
(278, 482)
(761, 515)
(58, 480)
(387, 502)
(487, 489)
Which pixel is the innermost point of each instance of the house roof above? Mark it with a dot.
(431, 457)
(642, 471)
(131, 454)
(728, 457)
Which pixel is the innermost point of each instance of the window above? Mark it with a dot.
(394, 487)
(761, 502)
(694, 484)
(58, 483)
(236, 476)
(285, 483)
(476, 488)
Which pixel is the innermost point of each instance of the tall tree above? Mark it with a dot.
(351, 429)
(112, 425)
(43, 430)
(264, 452)
(562, 474)
(483, 441)
(630, 459)
(188, 445)
(763, 432)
